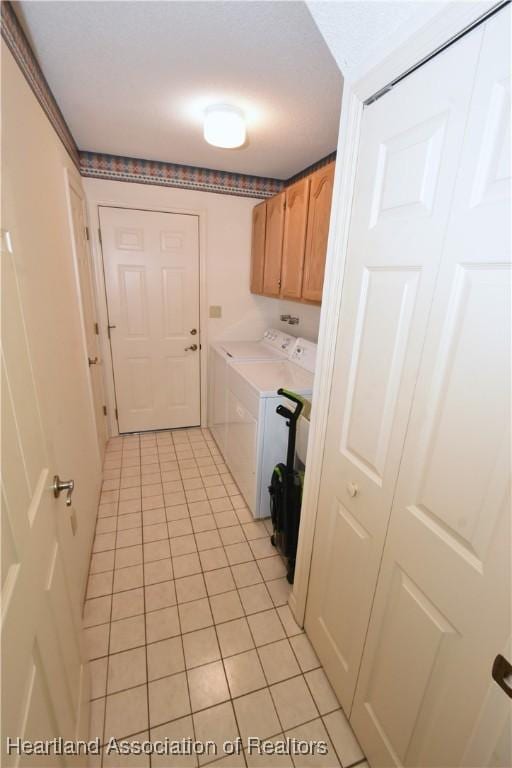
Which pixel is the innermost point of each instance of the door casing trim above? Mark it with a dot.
(137, 203)
(73, 182)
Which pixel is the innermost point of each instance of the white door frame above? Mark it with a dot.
(398, 59)
(72, 182)
(135, 202)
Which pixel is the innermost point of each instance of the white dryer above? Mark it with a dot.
(256, 437)
(275, 345)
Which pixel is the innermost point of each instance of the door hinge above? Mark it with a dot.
(96, 329)
(117, 415)
(99, 235)
(86, 233)
(104, 410)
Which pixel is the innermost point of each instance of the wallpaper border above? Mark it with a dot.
(103, 166)
(18, 44)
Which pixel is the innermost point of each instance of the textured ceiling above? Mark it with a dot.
(133, 79)
(359, 32)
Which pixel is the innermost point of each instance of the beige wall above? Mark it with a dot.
(34, 211)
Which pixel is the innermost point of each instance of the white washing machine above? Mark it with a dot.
(256, 437)
(275, 345)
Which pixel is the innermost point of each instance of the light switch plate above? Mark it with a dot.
(215, 311)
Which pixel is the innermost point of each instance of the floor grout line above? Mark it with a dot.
(145, 626)
(184, 463)
(183, 645)
(108, 641)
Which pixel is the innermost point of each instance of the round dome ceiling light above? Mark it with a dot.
(224, 126)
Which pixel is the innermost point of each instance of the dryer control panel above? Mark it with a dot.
(303, 354)
(278, 340)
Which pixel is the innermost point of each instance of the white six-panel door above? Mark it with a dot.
(442, 609)
(44, 681)
(151, 262)
(408, 159)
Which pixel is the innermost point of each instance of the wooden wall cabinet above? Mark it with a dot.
(289, 239)
(274, 246)
(294, 241)
(320, 198)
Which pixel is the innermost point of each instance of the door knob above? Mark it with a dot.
(193, 331)
(193, 348)
(63, 485)
(502, 674)
(92, 360)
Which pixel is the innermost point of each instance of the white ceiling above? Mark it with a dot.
(358, 31)
(132, 78)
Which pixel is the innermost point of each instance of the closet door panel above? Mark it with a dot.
(408, 158)
(443, 605)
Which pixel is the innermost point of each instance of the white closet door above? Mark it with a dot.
(152, 281)
(442, 607)
(45, 684)
(408, 158)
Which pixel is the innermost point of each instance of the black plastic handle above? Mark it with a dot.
(286, 412)
(502, 674)
(283, 411)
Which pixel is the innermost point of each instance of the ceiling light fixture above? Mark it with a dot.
(224, 126)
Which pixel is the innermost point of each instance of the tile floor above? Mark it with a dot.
(186, 618)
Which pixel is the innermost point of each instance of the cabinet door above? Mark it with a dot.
(294, 243)
(259, 222)
(319, 214)
(274, 245)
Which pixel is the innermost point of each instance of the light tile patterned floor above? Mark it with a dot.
(186, 618)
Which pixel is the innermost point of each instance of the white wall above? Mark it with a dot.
(309, 319)
(227, 233)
